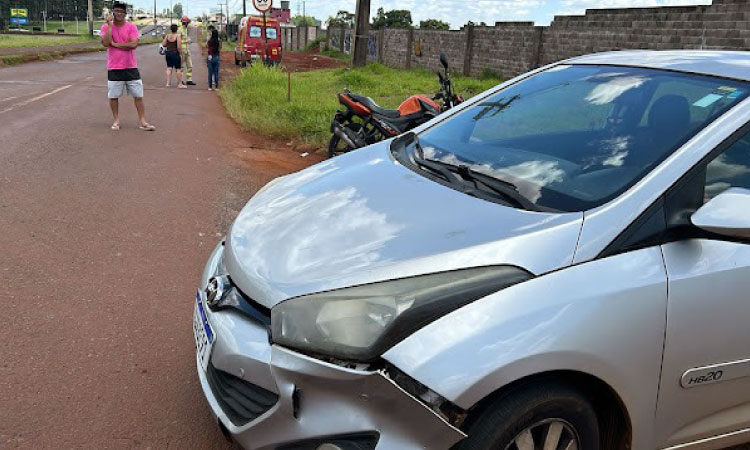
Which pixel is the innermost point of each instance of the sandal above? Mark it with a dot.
(147, 127)
(115, 126)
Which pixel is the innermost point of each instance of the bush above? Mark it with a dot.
(489, 74)
(315, 45)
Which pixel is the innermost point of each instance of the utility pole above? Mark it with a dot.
(221, 15)
(244, 9)
(361, 29)
(90, 18)
(155, 22)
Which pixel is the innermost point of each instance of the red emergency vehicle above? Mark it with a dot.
(254, 38)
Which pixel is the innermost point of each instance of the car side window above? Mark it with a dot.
(731, 168)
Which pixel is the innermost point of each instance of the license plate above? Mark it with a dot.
(204, 335)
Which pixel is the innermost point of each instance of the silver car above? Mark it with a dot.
(561, 263)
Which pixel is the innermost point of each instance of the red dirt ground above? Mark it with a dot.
(292, 62)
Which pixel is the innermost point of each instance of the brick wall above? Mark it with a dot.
(507, 48)
(427, 46)
(511, 48)
(297, 38)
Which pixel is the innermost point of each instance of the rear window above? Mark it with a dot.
(271, 33)
(254, 32)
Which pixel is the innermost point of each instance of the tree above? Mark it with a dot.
(302, 21)
(474, 24)
(177, 9)
(434, 24)
(395, 18)
(343, 19)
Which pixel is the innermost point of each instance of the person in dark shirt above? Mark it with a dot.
(173, 44)
(214, 60)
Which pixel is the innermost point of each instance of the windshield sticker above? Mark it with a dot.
(708, 100)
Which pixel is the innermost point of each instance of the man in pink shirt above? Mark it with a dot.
(121, 39)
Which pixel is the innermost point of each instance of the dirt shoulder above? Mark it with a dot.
(64, 48)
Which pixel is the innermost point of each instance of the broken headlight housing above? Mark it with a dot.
(360, 323)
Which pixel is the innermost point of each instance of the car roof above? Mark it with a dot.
(727, 64)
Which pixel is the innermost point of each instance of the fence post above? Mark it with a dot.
(539, 48)
(381, 38)
(409, 48)
(343, 36)
(468, 53)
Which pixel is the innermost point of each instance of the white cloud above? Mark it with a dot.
(489, 11)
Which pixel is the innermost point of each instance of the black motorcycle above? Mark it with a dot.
(363, 122)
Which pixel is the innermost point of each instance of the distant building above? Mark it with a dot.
(283, 14)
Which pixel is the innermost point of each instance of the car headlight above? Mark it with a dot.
(360, 323)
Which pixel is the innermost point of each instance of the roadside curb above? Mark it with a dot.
(13, 60)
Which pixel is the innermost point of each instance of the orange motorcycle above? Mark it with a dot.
(363, 122)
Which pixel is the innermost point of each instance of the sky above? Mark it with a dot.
(456, 13)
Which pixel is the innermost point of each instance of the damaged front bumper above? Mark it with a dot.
(289, 400)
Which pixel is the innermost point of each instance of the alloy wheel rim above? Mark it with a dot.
(548, 434)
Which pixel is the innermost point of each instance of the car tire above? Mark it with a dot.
(526, 418)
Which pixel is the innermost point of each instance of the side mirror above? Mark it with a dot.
(443, 60)
(727, 214)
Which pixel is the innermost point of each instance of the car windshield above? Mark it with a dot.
(271, 33)
(574, 137)
(254, 32)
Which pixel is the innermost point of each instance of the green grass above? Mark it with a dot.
(20, 40)
(11, 60)
(336, 54)
(69, 26)
(257, 98)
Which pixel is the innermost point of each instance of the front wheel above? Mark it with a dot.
(538, 417)
(336, 146)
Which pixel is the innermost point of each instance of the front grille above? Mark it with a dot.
(241, 401)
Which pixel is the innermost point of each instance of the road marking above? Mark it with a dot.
(38, 97)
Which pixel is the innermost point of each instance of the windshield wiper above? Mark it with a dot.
(470, 181)
(485, 183)
(431, 165)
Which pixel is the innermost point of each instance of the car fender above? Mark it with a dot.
(605, 318)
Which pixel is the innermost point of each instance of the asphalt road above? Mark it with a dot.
(103, 236)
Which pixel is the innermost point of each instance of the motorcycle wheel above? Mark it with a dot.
(336, 146)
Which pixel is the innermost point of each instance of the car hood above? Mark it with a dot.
(363, 217)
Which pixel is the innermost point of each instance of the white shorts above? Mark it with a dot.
(116, 89)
